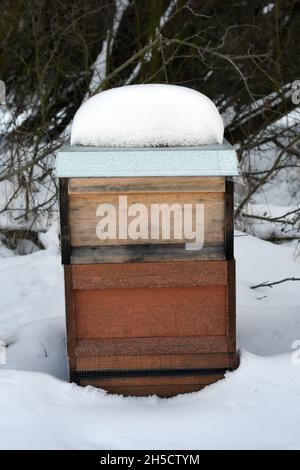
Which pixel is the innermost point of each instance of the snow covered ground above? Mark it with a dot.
(256, 407)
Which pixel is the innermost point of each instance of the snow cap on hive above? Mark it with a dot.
(151, 115)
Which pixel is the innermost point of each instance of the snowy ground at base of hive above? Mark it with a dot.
(256, 407)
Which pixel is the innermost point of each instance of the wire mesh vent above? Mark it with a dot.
(110, 373)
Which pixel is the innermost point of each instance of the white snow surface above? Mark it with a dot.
(254, 407)
(149, 115)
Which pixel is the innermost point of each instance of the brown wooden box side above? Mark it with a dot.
(150, 352)
(231, 306)
(157, 361)
(81, 196)
(65, 236)
(168, 274)
(151, 312)
(162, 380)
(70, 321)
(144, 254)
(151, 346)
(147, 184)
(219, 225)
(229, 219)
(209, 277)
(83, 218)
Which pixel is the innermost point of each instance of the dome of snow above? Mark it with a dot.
(147, 116)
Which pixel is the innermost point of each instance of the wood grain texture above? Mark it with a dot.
(157, 361)
(65, 237)
(124, 313)
(161, 380)
(195, 328)
(146, 184)
(83, 219)
(70, 321)
(152, 275)
(148, 305)
(229, 219)
(147, 346)
(231, 306)
(143, 254)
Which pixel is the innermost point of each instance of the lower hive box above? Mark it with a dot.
(151, 328)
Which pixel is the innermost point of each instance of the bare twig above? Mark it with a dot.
(271, 284)
(266, 177)
(280, 219)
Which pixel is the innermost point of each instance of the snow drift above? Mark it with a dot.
(254, 407)
(147, 116)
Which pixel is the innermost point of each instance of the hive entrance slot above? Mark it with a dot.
(101, 374)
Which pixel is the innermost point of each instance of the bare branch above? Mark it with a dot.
(271, 284)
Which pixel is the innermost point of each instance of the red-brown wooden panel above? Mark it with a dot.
(159, 345)
(161, 380)
(157, 361)
(151, 315)
(135, 275)
(124, 313)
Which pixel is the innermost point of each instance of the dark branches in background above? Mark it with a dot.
(243, 55)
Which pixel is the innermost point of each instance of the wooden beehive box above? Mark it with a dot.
(147, 316)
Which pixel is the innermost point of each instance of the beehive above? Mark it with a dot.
(147, 316)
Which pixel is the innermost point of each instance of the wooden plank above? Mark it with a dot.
(70, 321)
(231, 307)
(229, 219)
(143, 254)
(163, 391)
(83, 218)
(141, 275)
(148, 380)
(64, 221)
(146, 346)
(157, 361)
(146, 184)
(127, 313)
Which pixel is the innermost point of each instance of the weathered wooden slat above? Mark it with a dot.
(142, 275)
(161, 386)
(65, 237)
(156, 361)
(70, 320)
(146, 184)
(231, 306)
(83, 218)
(146, 346)
(143, 254)
(162, 380)
(117, 313)
(229, 219)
